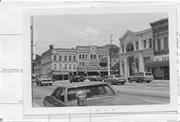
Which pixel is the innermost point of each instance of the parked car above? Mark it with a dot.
(44, 81)
(95, 78)
(114, 79)
(88, 94)
(140, 77)
(77, 78)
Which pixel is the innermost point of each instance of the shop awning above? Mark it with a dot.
(60, 73)
(157, 64)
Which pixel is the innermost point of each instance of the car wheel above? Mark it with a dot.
(41, 84)
(50, 84)
(37, 84)
(139, 81)
(148, 81)
(122, 83)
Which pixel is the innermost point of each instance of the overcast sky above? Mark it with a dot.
(67, 31)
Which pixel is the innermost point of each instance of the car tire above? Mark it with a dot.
(122, 83)
(148, 81)
(50, 84)
(37, 84)
(41, 84)
(139, 81)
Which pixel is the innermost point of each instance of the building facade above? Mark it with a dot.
(92, 60)
(160, 64)
(136, 48)
(59, 63)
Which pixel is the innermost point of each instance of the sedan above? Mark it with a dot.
(95, 78)
(88, 94)
(114, 79)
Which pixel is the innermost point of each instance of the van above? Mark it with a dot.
(140, 77)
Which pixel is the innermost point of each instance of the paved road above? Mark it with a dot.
(154, 92)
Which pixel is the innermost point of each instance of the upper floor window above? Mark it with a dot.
(86, 56)
(79, 56)
(60, 66)
(129, 47)
(65, 58)
(74, 66)
(144, 44)
(65, 66)
(94, 56)
(150, 43)
(83, 56)
(136, 45)
(54, 57)
(123, 48)
(54, 66)
(165, 42)
(69, 58)
(74, 58)
(60, 58)
(82, 63)
(91, 56)
(69, 66)
(159, 44)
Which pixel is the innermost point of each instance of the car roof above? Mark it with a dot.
(81, 84)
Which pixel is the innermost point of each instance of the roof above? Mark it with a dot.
(81, 84)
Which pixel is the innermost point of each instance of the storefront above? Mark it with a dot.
(159, 68)
(58, 75)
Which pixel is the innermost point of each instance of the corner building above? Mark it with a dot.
(136, 49)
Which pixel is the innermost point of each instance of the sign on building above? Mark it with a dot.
(161, 58)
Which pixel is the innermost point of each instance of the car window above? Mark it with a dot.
(60, 94)
(148, 74)
(117, 76)
(92, 91)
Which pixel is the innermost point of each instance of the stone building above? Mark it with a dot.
(92, 60)
(136, 48)
(58, 63)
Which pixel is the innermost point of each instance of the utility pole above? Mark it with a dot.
(109, 58)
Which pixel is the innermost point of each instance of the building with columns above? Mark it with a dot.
(136, 49)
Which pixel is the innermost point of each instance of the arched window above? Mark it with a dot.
(79, 56)
(129, 47)
(74, 58)
(60, 58)
(65, 58)
(70, 58)
(91, 56)
(83, 56)
(94, 56)
(54, 57)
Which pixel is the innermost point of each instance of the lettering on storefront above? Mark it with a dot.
(161, 58)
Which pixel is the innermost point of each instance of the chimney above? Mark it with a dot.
(51, 47)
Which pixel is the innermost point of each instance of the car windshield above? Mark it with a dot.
(148, 74)
(92, 91)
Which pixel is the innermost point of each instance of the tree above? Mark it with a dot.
(116, 68)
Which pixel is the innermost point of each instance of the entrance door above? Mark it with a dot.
(166, 73)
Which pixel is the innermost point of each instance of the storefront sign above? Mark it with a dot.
(161, 58)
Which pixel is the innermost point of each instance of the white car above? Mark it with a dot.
(44, 81)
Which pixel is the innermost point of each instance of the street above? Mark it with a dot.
(152, 92)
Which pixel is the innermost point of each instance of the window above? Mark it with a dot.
(60, 58)
(136, 45)
(94, 56)
(86, 56)
(65, 58)
(60, 66)
(83, 56)
(79, 63)
(146, 59)
(82, 63)
(69, 66)
(69, 58)
(129, 47)
(150, 43)
(65, 66)
(79, 56)
(54, 66)
(74, 58)
(144, 44)
(165, 42)
(123, 48)
(91, 56)
(54, 57)
(60, 94)
(159, 44)
(74, 66)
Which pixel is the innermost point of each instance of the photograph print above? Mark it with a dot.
(114, 59)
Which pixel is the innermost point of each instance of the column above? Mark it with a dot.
(126, 69)
(141, 63)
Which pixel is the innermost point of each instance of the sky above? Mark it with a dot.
(69, 31)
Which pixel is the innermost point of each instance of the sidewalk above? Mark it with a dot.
(161, 81)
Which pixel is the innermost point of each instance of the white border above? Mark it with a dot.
(27, 84)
